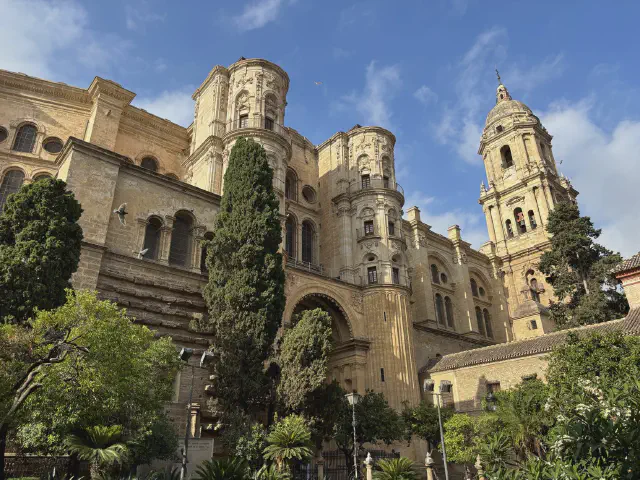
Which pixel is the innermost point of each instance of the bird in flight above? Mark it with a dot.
(142, 252)
(121, 211)
(318, 83)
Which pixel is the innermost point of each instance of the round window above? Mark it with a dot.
(443, 278)
(481, 290)
(3, 134)
(309, 194)
(371, 258)
(53, 145)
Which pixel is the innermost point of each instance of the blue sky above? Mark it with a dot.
(424, 69)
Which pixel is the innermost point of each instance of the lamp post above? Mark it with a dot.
(445, 387)
(353, 398)
(184, 355)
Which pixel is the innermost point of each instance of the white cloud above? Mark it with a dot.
(425, 95)
(52, 39)
(138, 14)
(461, 123)
(372, 102)
(258, 13)
(603, 166)
(175, 105)
(471, 224)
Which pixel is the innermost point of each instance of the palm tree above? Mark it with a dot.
(100, 445)
(395, 469)
(234, 468)
(289, 439)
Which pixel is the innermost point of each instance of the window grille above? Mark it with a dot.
(11, 183)
(372, 273)
(180, 250)
(25, 139)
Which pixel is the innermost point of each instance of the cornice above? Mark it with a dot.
(100, 86)
(260, 62)
(423, 326)
(300, 139)
(155, 123)
(260, 133)
(210, 141)
(372, 129)
(332, 139)
(217, 70)
(22, 82)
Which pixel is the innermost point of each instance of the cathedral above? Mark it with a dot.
(408, 305)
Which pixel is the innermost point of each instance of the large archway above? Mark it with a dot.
(340, 327)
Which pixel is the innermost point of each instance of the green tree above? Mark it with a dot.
(100, 445)
(422, 421)
(39, 248)
(464, 435)
(395, 469)
(245, 292)
(223, 469)
(289, 440)
(579, 270)
(522, 412)
(303, 357)
(85, 364)
(376, 422)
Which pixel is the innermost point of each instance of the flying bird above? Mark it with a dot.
(142, 253)
(121, 211)
(318, 83)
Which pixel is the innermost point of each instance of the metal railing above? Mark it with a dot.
(374, 183)
(255, 121)
(362, 233)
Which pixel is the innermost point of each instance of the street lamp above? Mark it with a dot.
(353, 398)
(184, 355)
(445, 387)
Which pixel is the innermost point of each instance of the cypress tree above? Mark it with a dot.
(245, 292)
(39, 249)
(579, 270)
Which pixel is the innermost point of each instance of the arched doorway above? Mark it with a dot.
(340, 329)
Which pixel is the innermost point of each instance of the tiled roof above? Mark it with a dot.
(628, 264)
(530, 346)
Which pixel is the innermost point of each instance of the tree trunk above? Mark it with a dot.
(73, 469)
(3, 446)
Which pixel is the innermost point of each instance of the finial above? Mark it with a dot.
(498, 75)
(369, 459)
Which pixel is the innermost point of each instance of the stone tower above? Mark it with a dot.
(524, 186)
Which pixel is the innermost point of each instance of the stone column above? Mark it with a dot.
(142, 225)
(320, 464)
(428, 463)
(165, 239)
(369, 464)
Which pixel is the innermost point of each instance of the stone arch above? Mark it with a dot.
(486, 281)
(367, 212)
(310, 294)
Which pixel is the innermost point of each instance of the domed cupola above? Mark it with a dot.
(506, 106)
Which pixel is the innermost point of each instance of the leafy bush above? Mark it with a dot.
(395, 469)
(225, 469)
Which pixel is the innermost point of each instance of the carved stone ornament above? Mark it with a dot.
(291, 279)
(357, 302)
(514, 200)
(272, 81)
(243, 80)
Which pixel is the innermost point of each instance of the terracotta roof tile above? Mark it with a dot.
(628, 264)
(529, 346)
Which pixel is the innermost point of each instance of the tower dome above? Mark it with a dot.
(507, 106)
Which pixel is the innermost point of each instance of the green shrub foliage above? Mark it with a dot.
(39, 249)
(245, 292)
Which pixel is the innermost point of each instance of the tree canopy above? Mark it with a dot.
(579, 269)
(82, 365)
(245, 292)
(39, 248)
(422, 421)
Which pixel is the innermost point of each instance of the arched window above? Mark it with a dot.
(41, 176)
(487, 323)
(203, 254)
(474, 287)
(25, 138)
(440, 315)
(291, 185)
(435, 277)
(290, 239)
(507, 159)
(307, 241)
(507, 224)
(519, 216)
(448, 306)
(533, 286)
(11, 183)
(180, 250)
(152, 238)
(149, 163)
(532, 220)
(480, 321)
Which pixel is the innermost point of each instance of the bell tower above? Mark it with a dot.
(523, 187)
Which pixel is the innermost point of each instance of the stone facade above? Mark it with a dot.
(401, 296)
